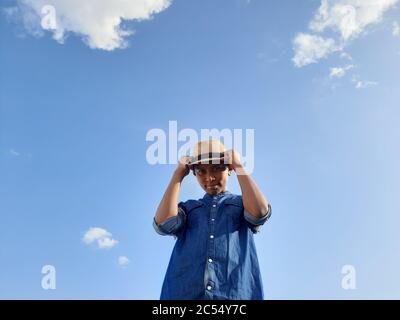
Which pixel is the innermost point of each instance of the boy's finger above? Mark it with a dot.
(184, 160)
(227, 159)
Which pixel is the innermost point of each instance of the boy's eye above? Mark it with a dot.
(200, 171)
(219, 167)
(214, 169)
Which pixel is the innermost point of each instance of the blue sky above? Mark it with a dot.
(74, 118)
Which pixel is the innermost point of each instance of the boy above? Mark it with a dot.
(214, 256)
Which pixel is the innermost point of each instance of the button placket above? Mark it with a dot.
(211, 246)
(210, 286)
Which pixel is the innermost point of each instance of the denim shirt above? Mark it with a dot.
(214, 256)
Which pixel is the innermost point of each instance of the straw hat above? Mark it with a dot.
(208, 151)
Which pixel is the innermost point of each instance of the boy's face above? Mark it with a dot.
(213, 178)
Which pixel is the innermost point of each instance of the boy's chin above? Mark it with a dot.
(214, 191)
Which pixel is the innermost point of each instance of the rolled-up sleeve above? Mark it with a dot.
(172, 225)
(255, 224)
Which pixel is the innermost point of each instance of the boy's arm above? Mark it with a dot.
(254, 201)
(168, 206)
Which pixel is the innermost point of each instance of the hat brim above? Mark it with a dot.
(209, 161)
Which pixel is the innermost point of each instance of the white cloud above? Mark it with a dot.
(102, 237)
(396, 29)
(338, 72)
(123, 261)
(347, 19)
(106, 243)
(98, 22)
(310, 48)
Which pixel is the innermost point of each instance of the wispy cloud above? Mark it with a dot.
(100, 23)
(345, 20)
(396, 29)
(339, 72)
(100, 236)
(345, 55)
(123, 261)
(362, 84)
(14, 153)
(365, 84)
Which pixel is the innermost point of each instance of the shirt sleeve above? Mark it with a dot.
(255, 224)
(172, 225)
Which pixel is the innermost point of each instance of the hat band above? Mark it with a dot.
(210, 155)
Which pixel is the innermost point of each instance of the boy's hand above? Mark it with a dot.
(184, 166)
(232, 157)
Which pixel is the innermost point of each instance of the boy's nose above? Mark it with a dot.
(210, 177)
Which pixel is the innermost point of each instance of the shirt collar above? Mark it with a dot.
(219, 195)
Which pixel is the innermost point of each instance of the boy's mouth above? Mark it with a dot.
(212, 186)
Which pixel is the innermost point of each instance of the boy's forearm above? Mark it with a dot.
(254, 200)
(168, 206)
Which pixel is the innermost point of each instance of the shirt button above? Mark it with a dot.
(211, 237)
(209, 288)
(214, 205)
(210, 260)
(212, 219)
